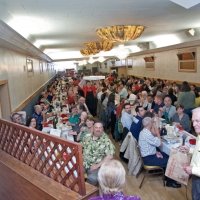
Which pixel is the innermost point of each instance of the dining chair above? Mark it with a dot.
(152, 171)
(149, 170)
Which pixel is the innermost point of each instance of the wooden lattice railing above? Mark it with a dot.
(58, 159)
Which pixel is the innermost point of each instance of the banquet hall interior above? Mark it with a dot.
(58, 47)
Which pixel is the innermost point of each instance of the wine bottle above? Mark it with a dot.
(55, 121)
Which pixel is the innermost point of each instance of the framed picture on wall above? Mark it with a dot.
(149, 62)
(29, 65)
(187, 61)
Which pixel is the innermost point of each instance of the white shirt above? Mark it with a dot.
(127, 119)
(148, 143)
(195, 162)
(99, 95)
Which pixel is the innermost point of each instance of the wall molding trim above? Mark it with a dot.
(180, 46)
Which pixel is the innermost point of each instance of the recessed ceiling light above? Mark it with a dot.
(186, 3)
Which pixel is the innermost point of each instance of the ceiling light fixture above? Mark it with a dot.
(191, 32)
(98, 46)
(86, 52)
(91, 60)
(95, 47)
(122, 52)
(101, 59)
(120, 33)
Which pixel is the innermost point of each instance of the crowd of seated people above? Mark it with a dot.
(114, 100)
(123, 103)
(61, 98)
(136, 99)
(157, 96)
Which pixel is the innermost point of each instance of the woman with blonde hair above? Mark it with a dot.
(111, 177)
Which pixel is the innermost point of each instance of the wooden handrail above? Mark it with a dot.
(59, 159)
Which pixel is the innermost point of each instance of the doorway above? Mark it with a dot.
(5, 106)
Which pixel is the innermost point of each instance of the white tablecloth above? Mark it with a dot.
(167, 146)
(64, 133)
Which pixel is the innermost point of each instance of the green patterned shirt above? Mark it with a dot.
(94, 151)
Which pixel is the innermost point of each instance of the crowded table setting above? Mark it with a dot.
(87, 109)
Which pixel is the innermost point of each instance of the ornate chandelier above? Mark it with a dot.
(120, 33)
(96, 46)
(86, 52)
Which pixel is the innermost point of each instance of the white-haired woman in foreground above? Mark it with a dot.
(111, 177)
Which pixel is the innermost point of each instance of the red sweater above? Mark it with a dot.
(91, 88)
